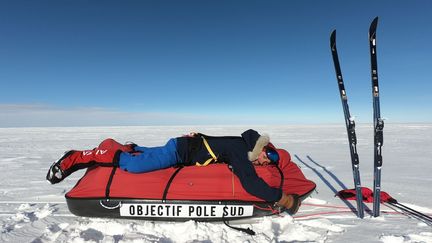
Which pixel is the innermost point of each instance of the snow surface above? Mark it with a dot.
(32, 210)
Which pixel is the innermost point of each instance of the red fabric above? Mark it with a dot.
(81, 158)
(350, 194)
(212, 182)
(111, 144)
(385, 197)
(104, 153)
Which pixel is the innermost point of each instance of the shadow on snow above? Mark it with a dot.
(328, 182)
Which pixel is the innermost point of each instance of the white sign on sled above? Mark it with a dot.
(184, 210)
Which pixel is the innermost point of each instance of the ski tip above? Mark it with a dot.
(333, 38)
(333, 34)
(373, 25)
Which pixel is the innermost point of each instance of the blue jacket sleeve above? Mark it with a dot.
(251, 182)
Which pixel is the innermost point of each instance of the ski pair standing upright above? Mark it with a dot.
(350, 124)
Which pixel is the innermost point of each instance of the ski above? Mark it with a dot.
(377, 120)
(350, 126)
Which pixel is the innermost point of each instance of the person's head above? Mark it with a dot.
(267, 156)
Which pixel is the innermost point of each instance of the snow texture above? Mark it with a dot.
(32, 210)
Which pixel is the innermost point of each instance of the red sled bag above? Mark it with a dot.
(211, 192)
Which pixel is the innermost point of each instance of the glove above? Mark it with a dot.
(291, 202)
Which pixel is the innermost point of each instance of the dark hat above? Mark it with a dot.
(255, 143)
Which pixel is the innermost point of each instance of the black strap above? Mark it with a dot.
(282, 177)
(169, 183)
(115, 165)
(278, 208)
(245, 230)
(108, 186)
(248, 230)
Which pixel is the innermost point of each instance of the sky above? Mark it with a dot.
(96, 63)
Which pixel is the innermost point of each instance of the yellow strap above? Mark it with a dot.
(213, 156)
(207, 162)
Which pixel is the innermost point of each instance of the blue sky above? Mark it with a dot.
(79, 63)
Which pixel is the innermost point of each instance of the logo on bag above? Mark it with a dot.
(98, 152)
(154, 210)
